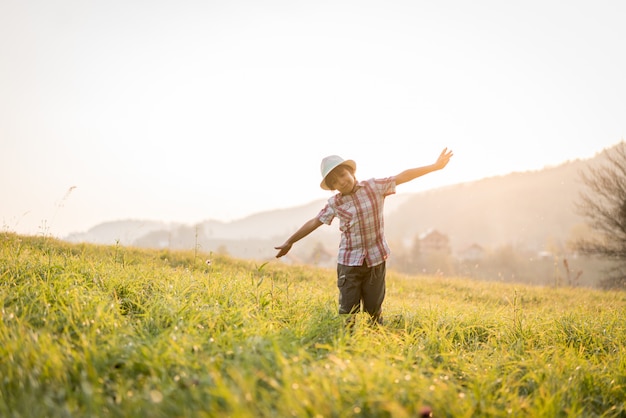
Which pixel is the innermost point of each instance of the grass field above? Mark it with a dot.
(108, 331)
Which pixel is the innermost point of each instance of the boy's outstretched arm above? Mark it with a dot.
(413, 173)
(309, 226)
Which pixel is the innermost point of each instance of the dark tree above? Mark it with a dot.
(603, 204)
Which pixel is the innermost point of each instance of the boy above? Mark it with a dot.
(363, 250)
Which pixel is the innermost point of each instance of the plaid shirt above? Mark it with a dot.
(361, 222)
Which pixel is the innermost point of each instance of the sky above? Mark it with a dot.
(189, 110)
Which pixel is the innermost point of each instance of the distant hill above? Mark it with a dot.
(524, 209)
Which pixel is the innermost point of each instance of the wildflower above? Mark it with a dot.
(156, 396)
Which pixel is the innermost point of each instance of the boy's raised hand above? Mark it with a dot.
(444, 158)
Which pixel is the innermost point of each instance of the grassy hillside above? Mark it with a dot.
(111, 331)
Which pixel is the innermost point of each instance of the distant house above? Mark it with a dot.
(434, 242)
(545, 255)
(472, 253)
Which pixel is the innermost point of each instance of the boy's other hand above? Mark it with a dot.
(283, 249)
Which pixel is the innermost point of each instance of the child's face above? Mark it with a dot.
(341, 179)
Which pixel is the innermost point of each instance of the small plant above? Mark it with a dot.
(573, 278)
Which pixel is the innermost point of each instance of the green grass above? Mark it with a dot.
(119, 332)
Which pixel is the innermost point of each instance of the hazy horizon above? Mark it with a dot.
(187, 111)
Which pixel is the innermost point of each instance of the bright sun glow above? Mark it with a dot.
(186, 111)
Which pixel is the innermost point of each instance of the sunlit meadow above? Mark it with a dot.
(110, 331)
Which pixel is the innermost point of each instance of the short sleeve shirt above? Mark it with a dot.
(361, 222)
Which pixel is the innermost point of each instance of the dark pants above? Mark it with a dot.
(361, 284)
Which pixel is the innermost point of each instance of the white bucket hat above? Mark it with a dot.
(329, 164)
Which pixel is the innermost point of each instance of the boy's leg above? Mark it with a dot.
(373, 292)
(349, 283)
